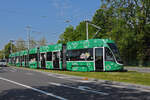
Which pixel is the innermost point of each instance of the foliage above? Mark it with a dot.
(1, 54)
(7, 49)
(20, 44)
(33, 43)
(127, 22)
(42, 42)
(68, 35)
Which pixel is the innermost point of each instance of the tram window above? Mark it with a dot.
(42, 56)
(20, 59)
(80, 55)
(17, 60)
(99, 53)
(12, 60)
(49, 56)
(108, 55)
(23, 58)
(33, 57)
(115, 51)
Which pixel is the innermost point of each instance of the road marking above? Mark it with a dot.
(9, 70)
(83, 88)
(89, 81)
(127, 87)
(5, 70)
(76, 80)
(69, 78)
(14, 70)
(65, 77)
(117, 86)
(37, 90)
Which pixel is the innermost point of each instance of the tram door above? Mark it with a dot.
(25, 61)
(99, 59)
(56, 57)
(43, 60)
(21, 58)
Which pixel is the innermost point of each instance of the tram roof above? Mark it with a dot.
(12, 55)
(17, 53)
(24, 52)
(50, 48)
(32, 50)
(88, 43)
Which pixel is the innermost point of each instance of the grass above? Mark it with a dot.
(128, 77)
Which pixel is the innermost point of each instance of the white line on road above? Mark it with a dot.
(37, 90)
(127, 87)
(13, 69)
(69, 78)
(9, 70)
(75, 80)
(79, 88)
(5, 70)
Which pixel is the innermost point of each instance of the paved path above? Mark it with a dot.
(22, 84)
(138, 69)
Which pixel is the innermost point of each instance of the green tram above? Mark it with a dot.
(24, 58)
(12, 59)
(85, 55)
(17, 59)
(33, 58)
(50, 57)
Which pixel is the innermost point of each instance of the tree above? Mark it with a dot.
(33, 43)
(42, 41)
(136, 15)
(20, 44)
(127, 22)
(1, 54)
(79, 33)
(67, 36)
(7, 49)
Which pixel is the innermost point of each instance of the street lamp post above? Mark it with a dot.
(11, 47)
(28, 39)
(28, 35)
(11, 41)
(4, 54)
(87, 31)
(88, 22)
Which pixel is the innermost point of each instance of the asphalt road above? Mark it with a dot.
(22, 84)
(138, 69)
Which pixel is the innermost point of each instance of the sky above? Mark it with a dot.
(47, 18)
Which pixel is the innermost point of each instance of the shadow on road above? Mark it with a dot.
(74, 94)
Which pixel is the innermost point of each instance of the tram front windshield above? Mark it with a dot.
(115, 50)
